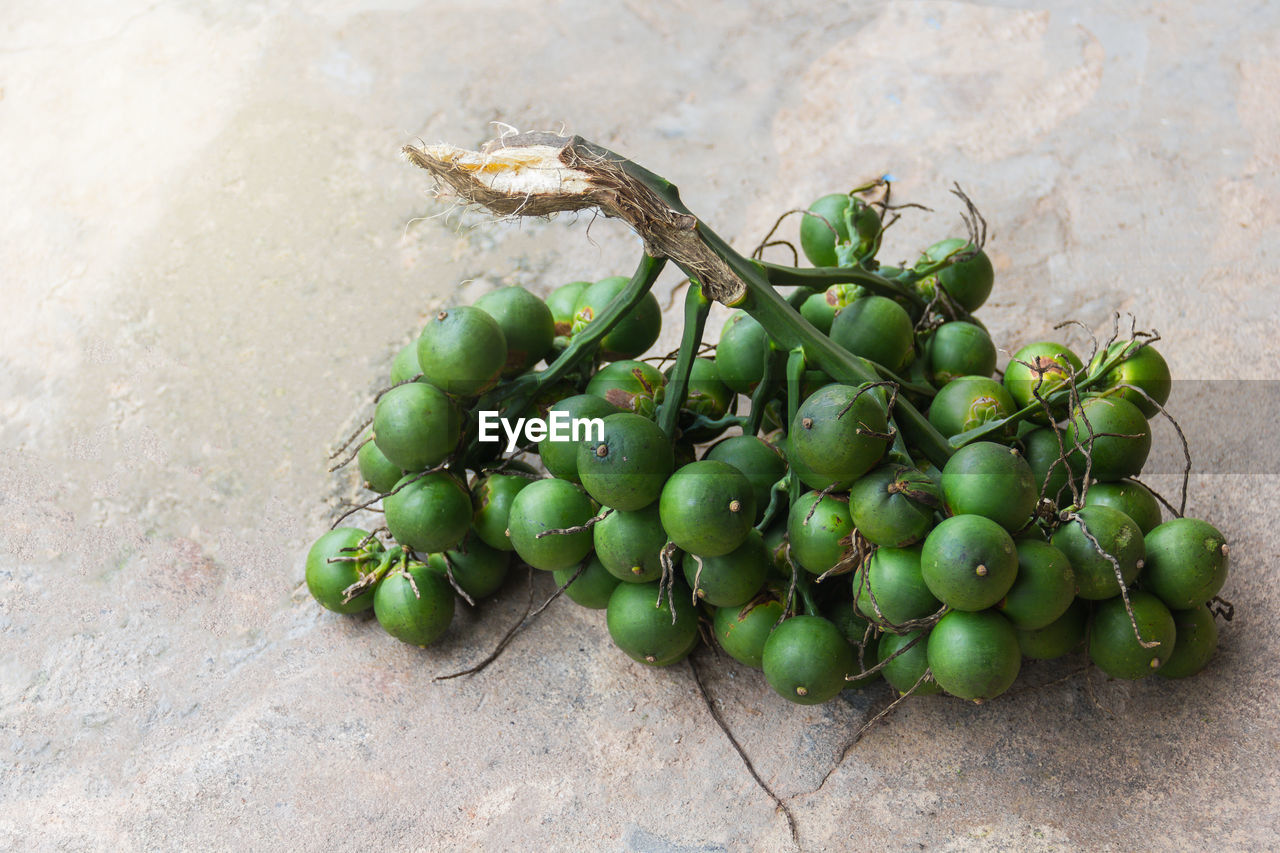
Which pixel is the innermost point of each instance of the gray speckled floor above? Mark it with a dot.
(211, 250)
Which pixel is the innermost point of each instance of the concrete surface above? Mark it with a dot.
(211, 249)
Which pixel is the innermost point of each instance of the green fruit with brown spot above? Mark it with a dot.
(760, 462)
(560, 455)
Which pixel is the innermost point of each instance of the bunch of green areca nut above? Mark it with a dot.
(843, 488)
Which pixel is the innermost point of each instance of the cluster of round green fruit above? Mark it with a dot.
(795, 518)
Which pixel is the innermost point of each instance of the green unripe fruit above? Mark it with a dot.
(1130, 497)
(1111, 430)
(1051, 474)
(416, 426)
(741, 351)
(730, 580)
(631, 386)
(759, 461)
(1143, 368)
(806, 659)
(462, 351)
(626, 467)
(1197, 640)
(845, 616)
(404, 367)
(491, 498)
(974, 655)
(969, 281)
(742, 632)
(893, 505)
(839, 432)
(1116, 536)
(890, 588)
(969, 562)
(993, 481)
(820, 232)
(817, 535)
(1040, 369)
(414, 611)
(876, 328)
(959, 349)
(477, 569)
(1186, 562)
(629, 544)
(1060, 637)
(326, 580)
(1112, 644)
(527, 326)
(906, 669)
(1044, 588)
(546, 505)
(634, 333)
(376, 471)
(640, 623)
(707, 508)
(561, 303)
(428, 512)
(967, 403)
(561, 456)
(593, 587)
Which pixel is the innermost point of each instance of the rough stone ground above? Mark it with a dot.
(211, 250)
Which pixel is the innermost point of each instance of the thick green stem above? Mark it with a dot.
(786, 326)
(765, 390)
(795, 376)
(584, 343)
(696, 309)
(820, 278)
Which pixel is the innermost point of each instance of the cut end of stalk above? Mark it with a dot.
(538, 174)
